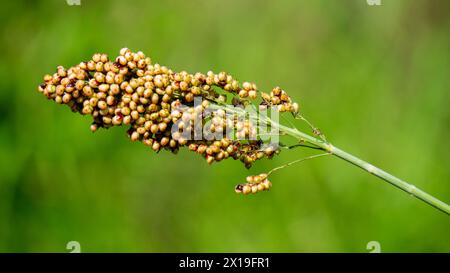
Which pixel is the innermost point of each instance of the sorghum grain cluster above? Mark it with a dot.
(150, 98)
(254, 184)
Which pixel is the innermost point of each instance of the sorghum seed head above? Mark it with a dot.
(149, 98)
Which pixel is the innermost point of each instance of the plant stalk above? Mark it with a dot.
(326, 146)
(329, 148)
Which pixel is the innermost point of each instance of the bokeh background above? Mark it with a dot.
(375, 79)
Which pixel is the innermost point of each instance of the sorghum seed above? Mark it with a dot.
(246, 189)
(252, 94)
(102, 105)
(94, 127)
(260, 187)
(247, 86)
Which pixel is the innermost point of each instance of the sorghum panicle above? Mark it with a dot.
(150, 98)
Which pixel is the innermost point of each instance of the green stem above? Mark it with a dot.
(326, 146)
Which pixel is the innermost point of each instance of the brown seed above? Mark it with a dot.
(238, 188)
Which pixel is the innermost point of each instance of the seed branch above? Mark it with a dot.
(295, 162)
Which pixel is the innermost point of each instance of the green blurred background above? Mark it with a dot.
(375, 79)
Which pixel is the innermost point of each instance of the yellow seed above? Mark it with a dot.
(295, 107)
(123, 51)
(267, 184)
(276, 91)
(201, 149)
(110, 100)
(189, 97)
(172, 143)
(183, 141)
(260, 187)
(252, 94)
(257, 179)
(126, 120)
(222, 76)
(94, 127)
(281, 108)
(99, 67)
(66, 98)
(58, 99)
(102, 105)
(156, 146)
(134, 114)
(96, 57)
(247, 86)
(162, 126)
(103, 87)
(210, 159)
(134, 136)
(246, 189)
(154, 128)
(126, 111)
(243, 93)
